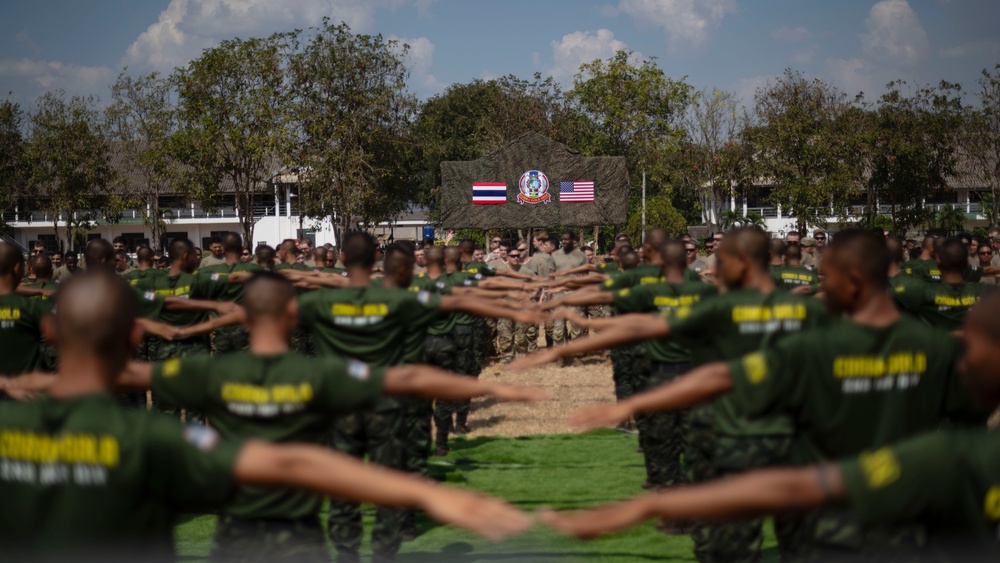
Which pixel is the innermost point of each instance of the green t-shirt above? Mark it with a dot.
(21, 333)
(51, 285)
(91, 480)
(283, 398)
(735, 324)
(949, 481)
(942, 305)
(150, 304)
(135, 277)
(481, 268)
(926, 270)
(608, 267)
(442, 286)
(665, 298)
(184, 285)
(367, 323)
(293, 265)
(788, 277)
(218, 280)
(640, 275)
(850, 387)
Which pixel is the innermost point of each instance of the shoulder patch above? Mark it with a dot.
(171, 367)
(358, 370)
(149, 295)
(755, 366)
(440, 285)
(624, 292)
(202, 437)
(881, 467)
(424, 296)
(215, 276)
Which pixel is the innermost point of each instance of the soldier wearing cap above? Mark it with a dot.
(809, 258)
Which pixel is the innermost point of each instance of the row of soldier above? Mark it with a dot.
(766, 412)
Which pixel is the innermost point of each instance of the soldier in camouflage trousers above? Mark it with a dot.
(512, 340)
(663, 434)
(233, 338)
(237, 539)
(454, 414)
(377, 432)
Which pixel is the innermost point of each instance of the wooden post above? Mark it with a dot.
(597, 232)
(531, 241)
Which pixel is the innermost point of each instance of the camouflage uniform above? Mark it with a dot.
(627, 369)
(162, 350)
(241, 540)
(449, 414)
(233, 338)
(377, 433)
(662, 436)
(511, 339)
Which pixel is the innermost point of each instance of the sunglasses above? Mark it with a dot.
(691, 249)
(986, 252)
(513, 256)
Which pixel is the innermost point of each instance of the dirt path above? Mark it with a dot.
(573, 387)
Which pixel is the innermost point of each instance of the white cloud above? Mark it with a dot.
(186, 27)
(686, 22)
(746, 88)
(579, 47)
(895, 38)
(850, 76)
(806, 55)
(29, 78)
(791, 35)
(419, 58)
(985, 48)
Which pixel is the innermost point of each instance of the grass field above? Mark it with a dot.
(562, 471)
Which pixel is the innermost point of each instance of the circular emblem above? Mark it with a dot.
(534, 186)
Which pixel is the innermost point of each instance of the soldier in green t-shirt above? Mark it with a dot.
(925, 267)
(271, 393)
(874, 379)
(75, 452)
(20, 317)
(229, 338)
(750, 315)
(943, 304)
(792, 275)
(372, 323)
(944, 482)
(145, 268)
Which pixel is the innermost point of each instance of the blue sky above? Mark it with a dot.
(81, 45)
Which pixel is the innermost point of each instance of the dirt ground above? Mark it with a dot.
(587, 383)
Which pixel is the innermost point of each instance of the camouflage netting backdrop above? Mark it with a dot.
(558, 162)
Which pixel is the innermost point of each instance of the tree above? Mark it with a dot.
(636, 112)
(911, 148)
(805, 146)
(232, 118)
(982, 139)
(659, 213)
(142, 119)
(11, 158)
(731, 219)
(468, 121)
(67, 158)
(353, 115)
(950, 219)
(713, 128)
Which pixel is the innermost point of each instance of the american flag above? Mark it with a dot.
(576, 190)
(489, 193)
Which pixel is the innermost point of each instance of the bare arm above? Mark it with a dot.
(482, 308)
(431, 382)
(34, 291)
(513, 274)
(580, 298)
(749, 494)
(581, 269)
(157, 328)
(236, 317)
(645, 327)
(200, 305)
(698, 386)
(331, 473)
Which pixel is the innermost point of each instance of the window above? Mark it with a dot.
(171, 237)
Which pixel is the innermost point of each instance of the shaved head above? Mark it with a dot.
(399, 262)
(11, 259)
(895, 248)
(453, 255)
(97, 312)
(99, 253)
(41, 266)
(673, 255)
(952, 256)
(748, 242)
(630, 260)
(434, 256)
(864, 251)
(266, 296)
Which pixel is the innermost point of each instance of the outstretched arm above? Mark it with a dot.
(581, 298)
(236, 317)
(644, 327)
(157, 328)
(581, 269)
(200, 305)
(483, 308)
(514, 275)
(749, 494)
(698, 386)
(331, 473)
(431, 382)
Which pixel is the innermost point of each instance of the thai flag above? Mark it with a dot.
(576, 191)
(489, 193)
